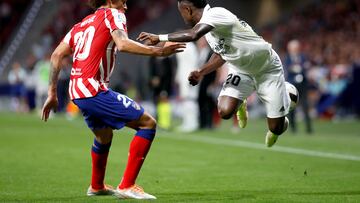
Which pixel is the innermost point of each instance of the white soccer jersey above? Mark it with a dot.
(236, 41)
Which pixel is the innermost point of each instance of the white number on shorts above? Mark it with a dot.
(125, 100)
(83, 41)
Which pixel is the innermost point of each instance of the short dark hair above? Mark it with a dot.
(196, 3)
(96, 3)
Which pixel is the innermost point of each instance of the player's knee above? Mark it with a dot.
(150, 122)
(104, 136)
(277, 128)
(225, 113)
(278, 125)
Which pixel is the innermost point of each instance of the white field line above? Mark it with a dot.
(252, 145)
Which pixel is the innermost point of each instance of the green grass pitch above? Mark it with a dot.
(50, 162)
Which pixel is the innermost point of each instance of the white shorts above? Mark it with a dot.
(269, 86)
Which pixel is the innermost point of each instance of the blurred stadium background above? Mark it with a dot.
(328, 77)
(328, 33)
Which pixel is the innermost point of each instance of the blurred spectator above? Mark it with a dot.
(187, 61)
(206, 101)
(30, 82)
(329, 32)
(328, 105)
(16, 77)
(296, 65)
(42, 71)
(63, 84)
(161, 80)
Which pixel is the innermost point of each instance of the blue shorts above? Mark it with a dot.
(109, 109)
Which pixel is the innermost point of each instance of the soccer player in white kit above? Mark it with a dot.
(254, 65)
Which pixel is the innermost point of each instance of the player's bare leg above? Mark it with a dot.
(146, 121)
(103, 136)
(99, 154)
(277, 126)
(227, 106)
(139, 147)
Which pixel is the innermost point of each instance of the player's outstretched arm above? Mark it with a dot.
(124, 44)
(57, 56)
(190, 35)
(214, 63)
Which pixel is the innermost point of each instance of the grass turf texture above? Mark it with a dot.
(51, 163)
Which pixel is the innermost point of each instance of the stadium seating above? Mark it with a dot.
(10, 13)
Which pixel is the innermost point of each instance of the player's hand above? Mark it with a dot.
(148, 38)
(172, 48)
(194, 78)
(51, 103)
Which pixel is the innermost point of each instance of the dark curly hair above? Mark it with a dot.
(196, 3)
(96, 3)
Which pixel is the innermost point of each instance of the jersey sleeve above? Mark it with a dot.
(115, 20)
(68, 39)
(218, 17)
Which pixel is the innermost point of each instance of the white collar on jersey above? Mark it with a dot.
(207, 7)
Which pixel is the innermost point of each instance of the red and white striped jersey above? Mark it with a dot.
(93, 52)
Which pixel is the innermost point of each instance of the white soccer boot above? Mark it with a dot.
(242, 114)
(271, 138)
(133, 192)
(108, 190)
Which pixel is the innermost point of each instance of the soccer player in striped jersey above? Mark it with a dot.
(254, 65)
(93, 43)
